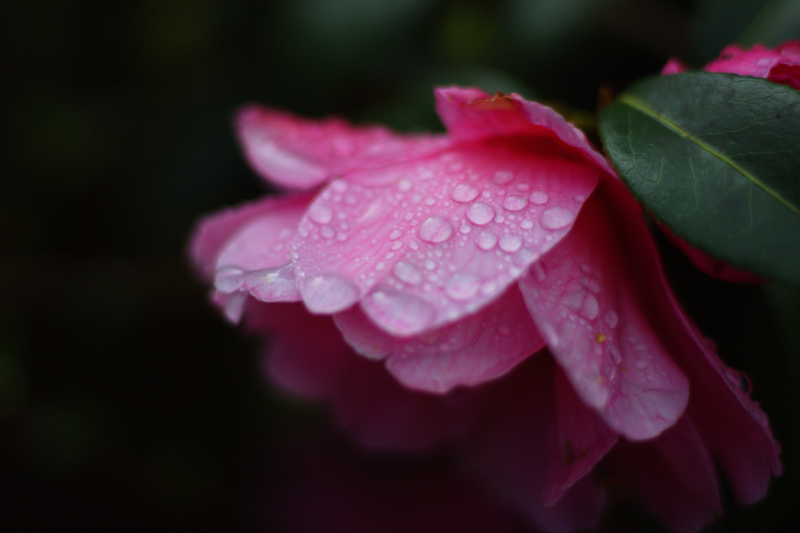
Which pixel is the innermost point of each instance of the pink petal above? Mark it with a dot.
(480, 347)
(673, 476)
(427, 242)
(255, 257)
(513, 454)
(585, 299)
(755, 62)
(473, 114)
(213, 231)
(579, 440)
(301, 154)
(673, 66)
(307, 356)
(734, 428)
(786, 74)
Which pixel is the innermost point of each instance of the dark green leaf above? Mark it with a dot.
(716, 157)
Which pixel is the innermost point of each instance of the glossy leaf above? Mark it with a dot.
(716, 157)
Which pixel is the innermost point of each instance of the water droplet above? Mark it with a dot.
(274, 284)
(539, 198)
(579, 198)
(404, 185)
(760, 417)
(514, 203)
(501, 177)
(510, 242)
(398, 312)
(556, 218)
(465, 228)
(462, 286)
(526, 224)
(341, 237)
(396, 245)
(486, 240)
(327, 293)
(739, 379)
(395, 234)
(464, 192)
(590, 307)
(413, 245)
(504, 330)
(640, 364)
(610, 319)
(408, 273)
(430, 264)
(328, 232)
(228, 279)
(430, 201)
(380, 266)
(590, 284)
(321, 214)
(480, 213)
(574, 300)
(339, 185)
(435, 229)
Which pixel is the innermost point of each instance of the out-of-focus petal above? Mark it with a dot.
(213, 231)
(308, 357)
(513, 453)
(583, 297)
(673, 476)
(255, 257)
(301, 154)
(578, 439)
(475, 349)
(473, 114)
(673, 66)
(424, 243)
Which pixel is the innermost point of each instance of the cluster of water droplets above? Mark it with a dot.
(453, 232)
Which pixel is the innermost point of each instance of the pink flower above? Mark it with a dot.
(406, 276)
(781, 65)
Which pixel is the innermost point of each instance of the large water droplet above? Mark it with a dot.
(463, 193)
(395, 234)
(640, 364)
(486, 240)
(321, 214)
(462, 285)
(590, 308)
(501, 177)
(277, 284)
(398, 312)
(408, 273)
(327, 293)
(404, 185)
(510, 242)
(556, 218)
(539, 198)
(480, 213)
(514, 203)
(435, 229)
(228, 279)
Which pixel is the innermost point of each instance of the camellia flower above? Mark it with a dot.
(494, 289)
(781, 65)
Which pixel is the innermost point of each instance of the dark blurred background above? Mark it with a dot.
(125, 401)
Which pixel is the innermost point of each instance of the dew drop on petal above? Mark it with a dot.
(395, 234)
(501, 177)
(321, 214)
(435, 229)
(610, 319)
(539, 198)
(486, 240)
(556, 218)
(228, 279)
(329, 293)
(514, 203)
(328, 232)
(590, 308)
(399, 312)
(504, 330)
(640, 364)
(463, 193)
(404, 185)
(510, 242)
(462, 285)
(408, 273)
(526, 224)
(480, 213)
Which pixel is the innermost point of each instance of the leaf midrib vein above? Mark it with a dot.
(640, 106)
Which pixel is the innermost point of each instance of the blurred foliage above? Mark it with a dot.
(124, 399)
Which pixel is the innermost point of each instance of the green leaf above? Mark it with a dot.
(716, 157)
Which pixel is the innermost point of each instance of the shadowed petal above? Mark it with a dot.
(478, 348)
